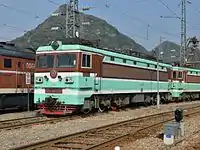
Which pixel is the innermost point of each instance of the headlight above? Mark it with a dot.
(69, 80)
(38, 79)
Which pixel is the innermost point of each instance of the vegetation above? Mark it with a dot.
(98, 29)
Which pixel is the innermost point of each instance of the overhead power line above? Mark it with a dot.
(18, 10)
(166, 6)
(153, 27)
(175, 14)
(53, 2)
(15, 28)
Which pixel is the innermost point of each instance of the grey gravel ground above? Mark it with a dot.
(15, 138)
(154, 143)
(17, 115)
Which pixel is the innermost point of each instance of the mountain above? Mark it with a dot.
(98, 28)
(169, 51)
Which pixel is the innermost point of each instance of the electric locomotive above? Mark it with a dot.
(77, 76)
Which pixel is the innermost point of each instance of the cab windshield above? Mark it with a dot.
(56, 61)
(45, 61)
(66, 60)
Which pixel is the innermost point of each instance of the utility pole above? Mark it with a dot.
(183, 33)
(72, 19)
(183, 47)
(158, 74)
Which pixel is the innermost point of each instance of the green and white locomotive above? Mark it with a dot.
(72, 77)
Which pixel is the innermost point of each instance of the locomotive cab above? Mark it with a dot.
(64, 76)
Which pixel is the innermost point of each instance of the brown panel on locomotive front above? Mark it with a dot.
(86, 70)
(97, 64)
(126, 72)
(193, 79)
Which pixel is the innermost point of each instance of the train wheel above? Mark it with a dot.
(102, 108)
(146, 103)
(154, 101)
(86, 111)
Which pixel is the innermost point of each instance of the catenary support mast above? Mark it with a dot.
(183, 32)
(72, 19)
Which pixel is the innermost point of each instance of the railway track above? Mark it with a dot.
(100, 138)
(29, 121)
(21, 122)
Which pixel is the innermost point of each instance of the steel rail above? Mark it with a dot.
(25, 122)
(5, 124)
(16, 119)
(137, 133)
(82, 140)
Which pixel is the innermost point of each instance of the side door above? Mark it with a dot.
(170, 75)
(20, 67)
(98, 60)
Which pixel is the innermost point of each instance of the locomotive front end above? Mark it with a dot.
(56, 89)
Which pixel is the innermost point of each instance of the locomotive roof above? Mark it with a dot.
(97, 50)
(111, 53)
(9, 49)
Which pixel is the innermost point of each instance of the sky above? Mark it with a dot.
(138, 19)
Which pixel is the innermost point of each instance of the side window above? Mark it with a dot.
(86, 60)
(174, 74)
(7, 63)
(180, 75)
(112, 58)
(124, 60)
(19, 64)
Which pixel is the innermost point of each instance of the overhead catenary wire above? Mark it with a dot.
(53, 2)
(153, 27)
(18, 10)
(133, 18)
(191, 27)
(166, 6)
(15, 28)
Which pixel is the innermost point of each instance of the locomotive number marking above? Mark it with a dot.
(28, 78)
(30, 65)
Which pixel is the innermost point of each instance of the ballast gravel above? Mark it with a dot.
(39, 132)
(155, 141)
(17, 115)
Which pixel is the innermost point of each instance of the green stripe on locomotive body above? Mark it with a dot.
(109, 86)
(132, 86)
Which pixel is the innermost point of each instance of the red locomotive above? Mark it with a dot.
(16, 76)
